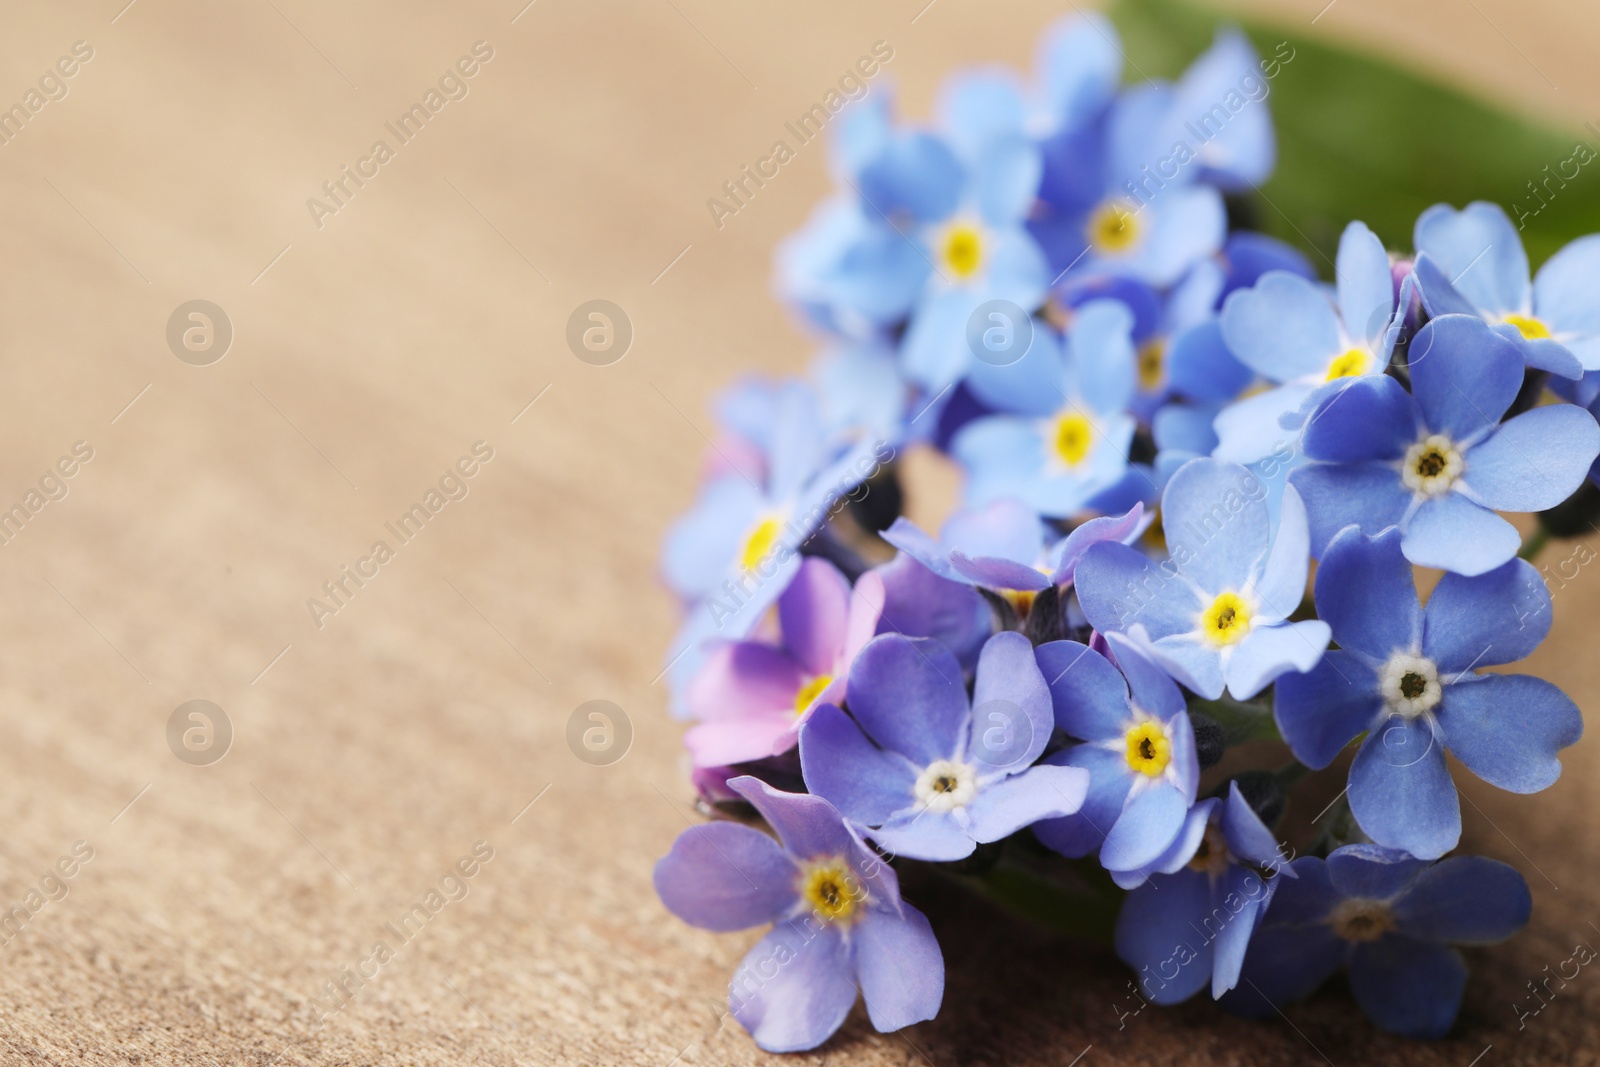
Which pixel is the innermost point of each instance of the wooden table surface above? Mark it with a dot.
(375, 747)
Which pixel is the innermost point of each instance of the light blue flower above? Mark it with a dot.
(1390, 920)
(738, 547)
(1472, 262)
(1286, 330)
(1057, 462)
(1188, 926)
(1137, 750)
(1437, 462)
(1404, 676)
(1217, 612)
(928, 773)
(1115, 198)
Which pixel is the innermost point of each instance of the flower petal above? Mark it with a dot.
(900, 967)
(1408, 987)
(1119, 586)
(1534, 461)
(1468, 621)
(1465, 900)
(726, 876)
(1008, 804)
(1463, 375)
(812, 613)
(1150, 820)
(1109, 781)
(1282, 583)
(1508, 729)
(1321, 711)
(1372, 871)
(1454, 534)
(1156, 932)
(1283, 328)
(1089, 695)
(794, 988)
(1371, 418)
(1009, 682)
(1365, 592)
(1401, 792)
(1366, 286)
(1268, 652)
(1479, 249)
(909, 696)
(839, 762)
(1336, 495)
(1216, 515)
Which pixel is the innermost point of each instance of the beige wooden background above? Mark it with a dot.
(372, 753)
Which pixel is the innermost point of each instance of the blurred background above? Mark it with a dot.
(367, 341)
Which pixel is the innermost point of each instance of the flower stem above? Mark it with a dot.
(1535, 543)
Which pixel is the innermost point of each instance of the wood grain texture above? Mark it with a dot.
(427, 713)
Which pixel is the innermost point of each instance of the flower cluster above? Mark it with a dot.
(1160, 420)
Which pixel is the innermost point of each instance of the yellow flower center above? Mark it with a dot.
(1021, 600)
(1227, 620)
(1432, 466)
(807, 694)
(1149, 751)
(1152, 363)
(759, 542)
(963, 249)
(832, 889)
(1359, 919)
(1531, 328)
(1113, 227)
(1351, 363)
(1072, 437)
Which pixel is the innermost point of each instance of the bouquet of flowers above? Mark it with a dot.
(1161, 419)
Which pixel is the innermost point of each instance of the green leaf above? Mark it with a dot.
(1360, 137)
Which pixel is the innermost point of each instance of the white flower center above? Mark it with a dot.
(1432, 466)
(1410, 685)
(945, 786)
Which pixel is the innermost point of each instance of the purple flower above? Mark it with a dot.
(1138, 752)
(751, 696)
(931, 774)
(1391, 920)
(1005, 547)
(838, 921)
(1195, 915)
(1404, 676)
(1438, 462)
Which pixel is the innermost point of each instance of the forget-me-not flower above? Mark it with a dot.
(1137, 750)
(1189, 924)
(1216, 614)
(930, 774)
(1472, 262)
(1405, 676)
(1390, 920)
(1437, 461)
(838, 920)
